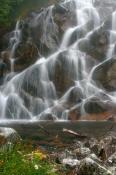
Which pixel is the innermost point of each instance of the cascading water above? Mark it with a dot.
(14, 41)
(56, 85)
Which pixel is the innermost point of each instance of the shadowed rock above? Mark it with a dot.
(96, 44)
(96, 106)
(104, 75)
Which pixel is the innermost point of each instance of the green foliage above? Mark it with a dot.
(10, 10)
(21, 160)
(7, 8)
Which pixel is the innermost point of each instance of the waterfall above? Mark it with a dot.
(61, 82)
(14, 41)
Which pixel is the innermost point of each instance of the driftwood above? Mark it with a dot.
(74, 133)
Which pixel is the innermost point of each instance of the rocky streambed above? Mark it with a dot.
(76, 148)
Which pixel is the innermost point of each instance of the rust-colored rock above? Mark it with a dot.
(75, 113)
(98, 117)
(26, 54)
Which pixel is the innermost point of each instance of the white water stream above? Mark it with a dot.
(37, 76)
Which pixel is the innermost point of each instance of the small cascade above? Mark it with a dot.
(112, 39)
(46, 21)
(85, 11)
(61, 84)
(14, 41)
(3, 105)
(114, 21)
(66, 38)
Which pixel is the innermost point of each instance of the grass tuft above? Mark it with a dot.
(23, 160)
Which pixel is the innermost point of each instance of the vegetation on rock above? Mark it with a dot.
(22, 160)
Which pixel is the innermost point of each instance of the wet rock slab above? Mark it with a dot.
(45, 131)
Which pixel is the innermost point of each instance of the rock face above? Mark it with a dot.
(60, 63)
